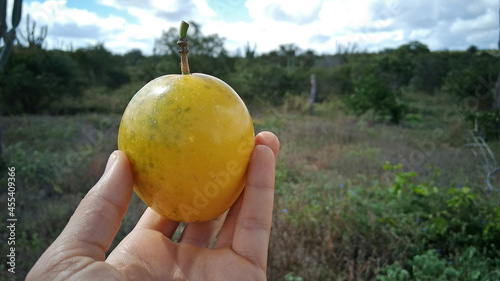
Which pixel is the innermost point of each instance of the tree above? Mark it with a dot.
(34, 78)
(370, 93)
(133, 57)
(249, 51)
(32, 39)
(430, 71)
(206, 53)
(10, 36)
(496, 101)
(211, 45)
(398, 66)
(101, 67)
(474, 76)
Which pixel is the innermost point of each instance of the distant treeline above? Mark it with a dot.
(35, 80)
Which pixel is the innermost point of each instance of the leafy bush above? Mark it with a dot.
(431, 266)
(430, 71)
(371, 93)
(269, 82)
(397, 66)
(34, 78)
(454, 227)
(413, 228)
(333, 81)
(97, 100)
(488, 122)
(426, 267)
(100, 67)
(474, 77)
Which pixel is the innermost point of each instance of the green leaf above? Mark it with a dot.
(421, 190)
(465, 189)
(440, 224)
(387, 166)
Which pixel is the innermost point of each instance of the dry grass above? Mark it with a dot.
(323, 159)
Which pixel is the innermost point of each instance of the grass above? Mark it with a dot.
(336, 216)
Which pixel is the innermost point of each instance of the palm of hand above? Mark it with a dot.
(146, 261)
(148, 253)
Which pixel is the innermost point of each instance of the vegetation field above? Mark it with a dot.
(352, 201)
(386, 180)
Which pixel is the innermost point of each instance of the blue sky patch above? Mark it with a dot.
(230, 10)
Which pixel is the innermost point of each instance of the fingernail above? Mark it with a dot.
(110, 162)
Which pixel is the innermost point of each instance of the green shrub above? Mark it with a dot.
(428, 266)
(34, 78)
(100, 67)
(431, 266)
(488, 122)
(333, 81)
(371, 93)
(474, 77)
(472, 265)
(430, 71)
(267, 82)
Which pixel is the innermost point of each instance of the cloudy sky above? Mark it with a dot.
(319, 25)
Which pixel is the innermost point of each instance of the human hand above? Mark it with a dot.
(147, 252)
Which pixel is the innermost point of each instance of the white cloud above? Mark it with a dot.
(79, 28)
(485, 21)
(69, 26)
(155, 16)
(125, 4)
(283, 10)
(302, 23)
(314, 24)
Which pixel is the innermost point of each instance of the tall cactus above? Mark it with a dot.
(8, 39)
(34, 41)
(10, 36)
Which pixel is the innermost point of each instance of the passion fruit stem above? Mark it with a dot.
(183, 47)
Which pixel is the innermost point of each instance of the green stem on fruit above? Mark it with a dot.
(183, 47)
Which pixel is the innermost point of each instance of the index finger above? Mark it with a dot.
(268, 139)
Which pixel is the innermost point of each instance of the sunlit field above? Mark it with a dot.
(355, 199)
